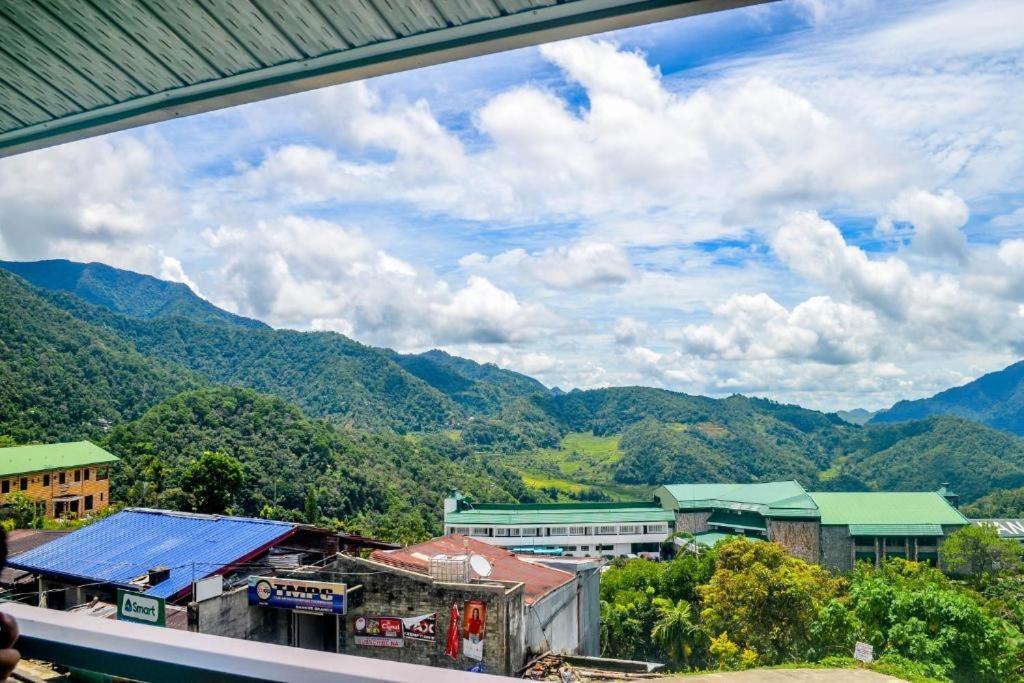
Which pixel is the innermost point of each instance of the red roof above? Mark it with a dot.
(537, 580)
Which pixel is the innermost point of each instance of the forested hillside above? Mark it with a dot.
(122, 291)
(61, 378)
(995, 399)
(378, 483)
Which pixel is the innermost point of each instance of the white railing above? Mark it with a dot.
(162, 655)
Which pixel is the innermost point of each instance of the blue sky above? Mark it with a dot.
(814, 201)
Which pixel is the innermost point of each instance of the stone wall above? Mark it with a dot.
(692, 522)
(836, 548)
(389, 591)
(800, 538)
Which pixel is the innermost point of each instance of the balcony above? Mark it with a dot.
(149, 653)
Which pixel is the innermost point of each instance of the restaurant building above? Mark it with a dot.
(67, 479)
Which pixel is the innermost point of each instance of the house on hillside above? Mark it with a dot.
(65, 478)
(563, 529)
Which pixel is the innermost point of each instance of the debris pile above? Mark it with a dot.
(553, 667)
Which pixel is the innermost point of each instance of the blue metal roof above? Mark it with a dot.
(128, 544)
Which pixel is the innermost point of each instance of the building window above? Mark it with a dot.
(584, 548)
(88, 502)
(78, 475)
(577, 531)
(5, 486)
(558, 531)
(62, 478)
(606, 530)
(501, 531)
(657, 528)
(480, 531)
(87, 473)
(23, 484)
(46, 480)
(462, 530)
(101, 496)
(531, 531)
(101, 473)
(629, 529)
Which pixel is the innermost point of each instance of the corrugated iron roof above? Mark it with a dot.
(895, 529)
(51, 456)
(1006, 528)
(21, 541)
(563, 514)
(73, 69)
(886, 508)
(537, 580)
(772, 499)
(126, 545)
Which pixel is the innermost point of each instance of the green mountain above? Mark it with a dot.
(377, 483)
(326, 374)
(61, 378)
(857, 416)
(995, 399)
(1006, 504)
(122, 291)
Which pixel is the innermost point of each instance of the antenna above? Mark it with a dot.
(480, 565)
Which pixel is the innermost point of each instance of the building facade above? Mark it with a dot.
(570, 529)
(67, 479)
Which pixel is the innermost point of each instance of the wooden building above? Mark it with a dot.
(69, 479)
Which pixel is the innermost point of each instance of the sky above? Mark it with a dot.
(818, 202)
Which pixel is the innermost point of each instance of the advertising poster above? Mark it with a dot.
(451, 646)
(307, 596)
(474, 620)
(423, 627)
(378, 631)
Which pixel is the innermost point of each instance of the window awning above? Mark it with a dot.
(896, 530)
(738, 520)
(65, 499)
(72, 70)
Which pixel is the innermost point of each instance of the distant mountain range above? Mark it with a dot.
(150, 369)
(995, 399)
(857, 416)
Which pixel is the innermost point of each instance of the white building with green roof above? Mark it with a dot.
(572, 529)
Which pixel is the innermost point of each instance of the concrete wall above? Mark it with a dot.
(692, 522)
(552, 622)
(836, 548)
(800, 538)
(230, 615)
(590, 611)
(389, 591)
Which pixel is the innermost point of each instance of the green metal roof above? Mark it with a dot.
(738, 520)
(886, 508)
(559, 514)
(771, 499)
(895, 529)
(55, 456)
(71, 69)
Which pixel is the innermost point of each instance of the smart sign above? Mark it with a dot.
(141, 609)
(297, 594)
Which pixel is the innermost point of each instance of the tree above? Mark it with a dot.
(21, 510)
(978, 550)
(764, 599)
(675, 631)
(311, 507)
(214, 479)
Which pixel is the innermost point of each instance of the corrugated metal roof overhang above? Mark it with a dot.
(895, 530)
(71, 69)
(738, 520)
(558, 517)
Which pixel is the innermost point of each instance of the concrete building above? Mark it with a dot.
(65, 478)
(570, 529)
(833, 529)
(399, 605)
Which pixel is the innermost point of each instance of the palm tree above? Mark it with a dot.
(675, 631)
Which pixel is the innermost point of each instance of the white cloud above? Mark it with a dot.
(299, 271)
(937, 220)
(581, 265)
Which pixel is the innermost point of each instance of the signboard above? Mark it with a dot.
(378, 631)
(296, 594)
(207, 588)
(1006, 528)
(863, 652)
(474, 626)
(141, 609)
(423, 627)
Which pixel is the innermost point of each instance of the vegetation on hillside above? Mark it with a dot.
(746, 603)
(1000, 503)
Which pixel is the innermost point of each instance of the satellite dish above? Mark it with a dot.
(480, 565)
